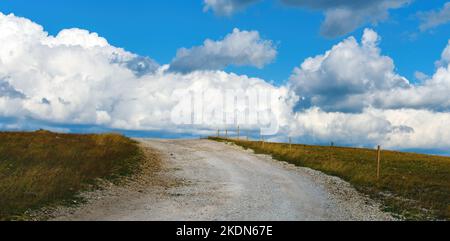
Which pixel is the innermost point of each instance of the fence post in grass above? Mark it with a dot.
(262, 138)
(218, 133)
(290, 144)
(378, 162)
(226, 133)
(238, 133)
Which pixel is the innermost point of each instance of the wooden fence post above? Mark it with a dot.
(290, 144)
(218, 133)
(262, 138)
(238, 133)
(226, 133)
(378, 162)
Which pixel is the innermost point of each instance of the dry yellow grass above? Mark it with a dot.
(414, 186)
(42, 168)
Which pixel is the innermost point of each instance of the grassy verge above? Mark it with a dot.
(43, 168)
(414, 186)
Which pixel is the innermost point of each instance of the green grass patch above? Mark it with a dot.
(414, 186)
(43, 168)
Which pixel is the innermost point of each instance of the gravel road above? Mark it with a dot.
(207, 180)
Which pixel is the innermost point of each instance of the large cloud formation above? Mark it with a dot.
(239, 48)
(350, 95)
(344, 78)
(78, 78)
(353, 76)
(341, 17)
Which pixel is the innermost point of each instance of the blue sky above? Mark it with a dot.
(159, 28)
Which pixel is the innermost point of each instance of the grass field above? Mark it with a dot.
(414, 186)
(42, 168)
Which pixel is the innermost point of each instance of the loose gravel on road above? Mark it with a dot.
(206, 180)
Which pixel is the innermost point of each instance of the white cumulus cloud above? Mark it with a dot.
(353, 76)
(78, 78)
(396, 129)
(352, 94)
(343, 77)
(239, 48)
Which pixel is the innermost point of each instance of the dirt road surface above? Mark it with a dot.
(207, 180)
